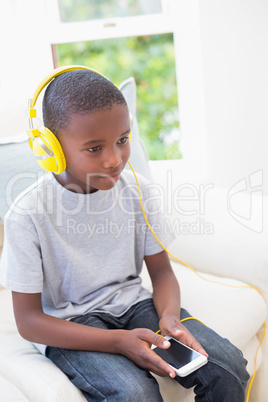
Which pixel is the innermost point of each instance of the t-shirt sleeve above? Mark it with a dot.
(21, 265)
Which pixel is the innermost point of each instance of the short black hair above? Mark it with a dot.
(77, 92)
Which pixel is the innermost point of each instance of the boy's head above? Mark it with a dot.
(77, 92)
(90, 117)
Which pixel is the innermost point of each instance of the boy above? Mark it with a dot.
(76, 285)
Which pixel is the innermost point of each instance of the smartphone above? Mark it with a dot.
(180, 357)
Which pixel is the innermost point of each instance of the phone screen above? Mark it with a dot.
(177, 355)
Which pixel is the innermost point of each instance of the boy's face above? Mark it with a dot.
(96, 148)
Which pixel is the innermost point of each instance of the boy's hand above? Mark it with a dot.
(136, 345)
(172, 326)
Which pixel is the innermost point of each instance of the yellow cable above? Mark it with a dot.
(184, 319)
(255, 362)
(200, 276)
(192, 318)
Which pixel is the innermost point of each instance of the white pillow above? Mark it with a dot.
(138, 157)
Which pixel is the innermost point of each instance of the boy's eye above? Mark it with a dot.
(123, 140)
(94, 149)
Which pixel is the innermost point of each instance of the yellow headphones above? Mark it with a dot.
(44, 144)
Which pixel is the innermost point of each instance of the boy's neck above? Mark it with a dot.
(73, 185)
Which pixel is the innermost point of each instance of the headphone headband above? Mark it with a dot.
(54, 74)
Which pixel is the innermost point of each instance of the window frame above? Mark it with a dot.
(182, 19)
(107, 28)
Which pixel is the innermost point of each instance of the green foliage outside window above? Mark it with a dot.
(150, 60)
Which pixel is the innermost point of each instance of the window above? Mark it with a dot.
(122, 39)
(84, 10)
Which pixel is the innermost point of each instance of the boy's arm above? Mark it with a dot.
(36, 326)
(166, 296)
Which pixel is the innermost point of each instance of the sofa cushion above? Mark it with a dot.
(230, 313)
(224, 304)
(22, 364)
(9, 392)
(18, 170)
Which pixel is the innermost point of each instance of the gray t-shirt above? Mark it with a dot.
(83, 252)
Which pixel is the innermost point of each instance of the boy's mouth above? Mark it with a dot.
(113, 177)
(110, 179)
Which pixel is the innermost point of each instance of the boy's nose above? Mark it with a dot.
(112, 159)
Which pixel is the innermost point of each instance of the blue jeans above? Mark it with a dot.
(111, 377)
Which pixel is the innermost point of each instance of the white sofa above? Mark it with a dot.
(216, 234)
(214, 239)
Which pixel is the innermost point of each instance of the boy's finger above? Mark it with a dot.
(190, 341)
(156, 364)
(160, 367)
(155, 339)
(176, 332)
(196, 346)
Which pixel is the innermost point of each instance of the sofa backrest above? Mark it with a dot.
(1, 241)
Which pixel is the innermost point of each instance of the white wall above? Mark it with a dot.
(222, 71)
(25, 60)
(234, 42)
(189, 68)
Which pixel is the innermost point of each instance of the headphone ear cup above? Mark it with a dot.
(48, 151)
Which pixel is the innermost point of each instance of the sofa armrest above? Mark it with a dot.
(218, 231)
(1, 236)
(1, 241)
(216, 240)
